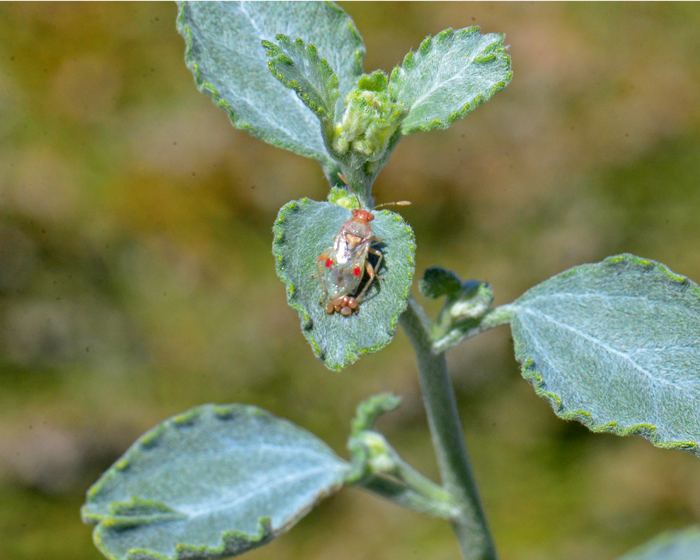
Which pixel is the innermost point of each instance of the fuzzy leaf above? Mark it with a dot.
(448, 76)
(225, 54)
(679, 545)
(299, 68)
(616, 345)
(306, 228)
(438, 282)
(213, 482)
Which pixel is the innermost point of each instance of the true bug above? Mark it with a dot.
(342, 266)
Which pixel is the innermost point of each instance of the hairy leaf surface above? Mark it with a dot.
(616, 345)
(448, 76)
(210, 483)
(299, 67)
(226, 56)
(679, 545)
(306, 228)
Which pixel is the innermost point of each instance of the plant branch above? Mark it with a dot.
(407, 497)
(468, 329)
(446, 430)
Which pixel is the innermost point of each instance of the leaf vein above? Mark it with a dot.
(603, 345)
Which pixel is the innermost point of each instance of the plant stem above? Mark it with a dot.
(493, 318)
(408, 497)
(446, 430)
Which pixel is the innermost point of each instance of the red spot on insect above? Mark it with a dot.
(356, 271)
(329, 263)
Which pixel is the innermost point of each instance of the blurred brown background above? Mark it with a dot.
(136, 278)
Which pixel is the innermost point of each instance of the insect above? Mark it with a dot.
(342, 266)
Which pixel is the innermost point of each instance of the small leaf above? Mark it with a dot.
(678, 545)
(303, 230)
(377, 81)
(438, 282)
(448, 76)
(225, 54)
(616, 345)
(213, 482)
(298, 67)
(372, 408)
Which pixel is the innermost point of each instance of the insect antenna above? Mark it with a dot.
(399, 203)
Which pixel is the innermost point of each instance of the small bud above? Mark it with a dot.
(466, 301)
(472, 301)
(370, 118)
(379, 454)
(341, 197)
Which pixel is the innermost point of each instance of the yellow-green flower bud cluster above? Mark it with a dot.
(368, 123)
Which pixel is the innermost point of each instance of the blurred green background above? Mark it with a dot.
(136, 278)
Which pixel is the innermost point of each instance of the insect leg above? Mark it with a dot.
(379, 254)
(370, 271)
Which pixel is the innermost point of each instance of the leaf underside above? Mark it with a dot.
(448, 76)
(616, 345)
(679, 545)
(225, 53)
(213, 482)
(306, 228)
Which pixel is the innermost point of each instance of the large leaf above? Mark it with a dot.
(616, 345)
(448, 76)
(225, 53)
(213, 482)
(680, 545)
(303, 230)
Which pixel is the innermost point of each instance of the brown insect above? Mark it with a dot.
(342, 266)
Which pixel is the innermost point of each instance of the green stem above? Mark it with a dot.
(409, 498)
(416, 481)
(446, 430)
(463, 331)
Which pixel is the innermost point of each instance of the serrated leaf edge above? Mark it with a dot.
(278, 56)
(325, 160)
(648, 431)
(150, 440)
(230, 542)
(495, 50)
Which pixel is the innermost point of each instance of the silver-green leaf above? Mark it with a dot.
(213, 482)
(303, 230)
(616, 345)
(678, 545)
(225, 54)
(448, 76)
(299, 68)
